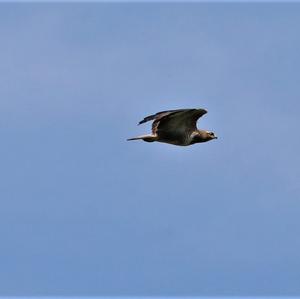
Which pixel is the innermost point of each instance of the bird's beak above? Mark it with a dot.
(216, 137)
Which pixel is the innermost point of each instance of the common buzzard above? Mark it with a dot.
(176, 127)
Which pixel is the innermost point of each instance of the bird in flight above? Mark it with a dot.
(176, 127)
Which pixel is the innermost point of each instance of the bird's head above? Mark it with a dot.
(203, 136)
(211, 135)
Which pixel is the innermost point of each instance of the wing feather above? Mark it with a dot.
(160, 114)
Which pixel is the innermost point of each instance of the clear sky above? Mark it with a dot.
(84, 212)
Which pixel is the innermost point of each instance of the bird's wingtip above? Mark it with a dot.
(141, 122)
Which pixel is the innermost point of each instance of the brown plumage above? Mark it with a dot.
(176, 127)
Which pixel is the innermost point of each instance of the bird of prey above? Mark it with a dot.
(176, 127)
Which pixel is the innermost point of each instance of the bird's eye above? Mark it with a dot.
(212, 134)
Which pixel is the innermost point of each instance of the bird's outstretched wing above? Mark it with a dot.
(175, 122)
(179, 123)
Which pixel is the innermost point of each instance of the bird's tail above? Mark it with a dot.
(147, 138)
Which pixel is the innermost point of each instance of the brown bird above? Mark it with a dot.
(176, 127)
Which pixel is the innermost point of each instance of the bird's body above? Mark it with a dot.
(176, 127)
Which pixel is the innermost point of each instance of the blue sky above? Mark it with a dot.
(85, 213)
